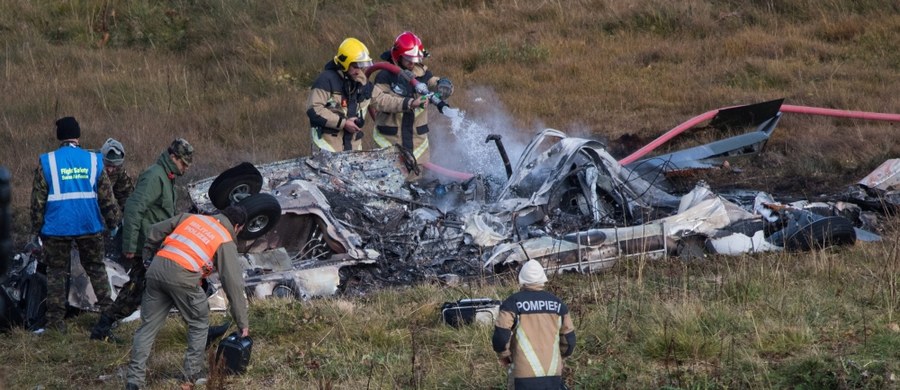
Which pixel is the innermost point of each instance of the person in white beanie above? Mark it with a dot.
(533, 333)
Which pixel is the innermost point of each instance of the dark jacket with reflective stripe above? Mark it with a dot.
(535, 331)
(334, 97)
(392, 120)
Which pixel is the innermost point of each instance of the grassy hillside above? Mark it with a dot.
(816, 321)
(232, 76)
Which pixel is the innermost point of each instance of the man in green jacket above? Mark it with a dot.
(152, 201)
(184, 250)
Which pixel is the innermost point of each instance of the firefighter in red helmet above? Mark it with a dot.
(407, 128)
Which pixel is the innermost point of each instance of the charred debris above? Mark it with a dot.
(566, 202)
(353, 222)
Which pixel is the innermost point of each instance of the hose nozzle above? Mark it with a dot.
(435, 99)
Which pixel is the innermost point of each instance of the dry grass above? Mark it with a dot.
(231, 76)
(817, 320)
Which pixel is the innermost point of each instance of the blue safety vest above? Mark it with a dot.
(72, 209)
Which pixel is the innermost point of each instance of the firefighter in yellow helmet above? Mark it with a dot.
(340, 96)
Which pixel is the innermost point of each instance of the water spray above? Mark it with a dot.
(435, 98)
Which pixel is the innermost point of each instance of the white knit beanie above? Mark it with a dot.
(532, 273)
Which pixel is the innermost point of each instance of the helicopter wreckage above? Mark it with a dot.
(351, 221)
(352, 218)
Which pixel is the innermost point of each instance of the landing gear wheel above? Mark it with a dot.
(822, 233)
(263, 213)
(287, 289)
(234, 185)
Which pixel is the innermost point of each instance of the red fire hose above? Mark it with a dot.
(875, 116)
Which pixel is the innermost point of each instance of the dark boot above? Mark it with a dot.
(102, 330)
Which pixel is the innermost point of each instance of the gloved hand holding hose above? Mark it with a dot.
(408, 76)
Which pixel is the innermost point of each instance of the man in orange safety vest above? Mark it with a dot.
(185, 249)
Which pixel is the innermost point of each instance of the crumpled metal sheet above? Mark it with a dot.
(711, 155)
(302, 197)
(304, 278)
(371, 171)
(702, 213)
(81, 292)
(486, 230)
(739, 243)
(560, 186)
(886, 177)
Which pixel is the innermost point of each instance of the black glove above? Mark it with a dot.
(406, 76)
(445, 88)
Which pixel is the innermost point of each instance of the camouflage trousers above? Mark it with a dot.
(129, 298)
(58, 255)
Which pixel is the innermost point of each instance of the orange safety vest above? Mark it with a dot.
(194, 242)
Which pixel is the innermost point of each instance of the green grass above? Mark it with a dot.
(811, 320)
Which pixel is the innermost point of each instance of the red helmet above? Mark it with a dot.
(409, 46)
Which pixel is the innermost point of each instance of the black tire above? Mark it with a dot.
(822, 233)
(234, 185)
(286, 289)
(263, 213)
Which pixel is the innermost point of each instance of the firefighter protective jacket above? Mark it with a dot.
(392, 124)
(534, 330)
(334, 98)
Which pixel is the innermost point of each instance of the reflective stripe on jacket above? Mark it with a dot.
(392, 125)
(334, 97)
(72, 209)
(194, 243)
(535, 330)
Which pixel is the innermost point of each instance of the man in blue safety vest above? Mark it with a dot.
(71, 198)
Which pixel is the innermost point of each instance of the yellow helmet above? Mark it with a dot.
(352, 51)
